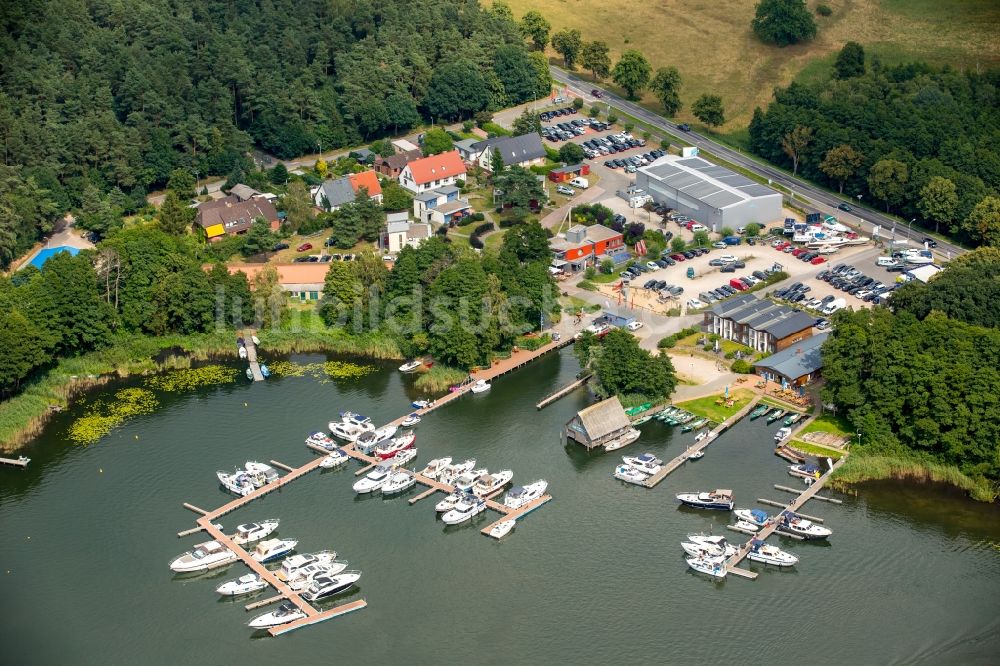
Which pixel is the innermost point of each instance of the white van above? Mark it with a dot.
(886, 261)
(580, 182)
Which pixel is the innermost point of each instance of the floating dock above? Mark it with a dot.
(20, 461)
(564, 391)
(251, 348)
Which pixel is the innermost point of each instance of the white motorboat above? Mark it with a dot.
(768, 554)
(349, 431)
(374, 480)
(403, 458)
(646, 463)
(624, 440)
(449, 502)
(717, 499)
(204, 556)
(490, 483)
(421, 404)
(465, 481)
(410, 366)
(291, 565)
(238, 482)
(713, 566)
(327, 586)
(256, 342)
(433, 469)
(356, 419)
(283, 614)
(398, 482)
(746, 526)
(755, 517)
(251, 532)
(710, 545)
(701, 435)
(411, 420)
(502, 529)
(805, 471)
(304, 576)
(782, 434)
(466, 508)
(260, 473)
(630, 474)
(336, 458)
(389, 449)
(368, 441)
(449, 473)
(321, 439)
(481, 386)
(246, 584)
(798, 526)
(521, 495)
(273, 549)
(696, 455)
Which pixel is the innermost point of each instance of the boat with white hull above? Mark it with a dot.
(204, 556)
(502, 528)
(304, 576)
(246, 584)
(370, 441)
(327, 586)
(721, 500)
(465, 509)
(336, 458)
(390, 448)
(623, 440)
(433, 469)
(465, 482)
(322, 440)
(711, 566)
(708, 545)
(399, 482)
(348, 431)
(490, 483)
(768, 554)
(251, 532)
(449, 473)
(798, 526)
(629, 474)
(449, 502)
(403, 458)
(290, 566)
(283, 614)
(646, 463)
(411, 420)
(273, 549)
(238, 482)
(374, 480)
(410, 366)
(261, 473)
(481, 386)
(755, 517)
(522, 495)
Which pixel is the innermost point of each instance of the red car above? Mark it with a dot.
(737, 285)
(797, 251)
(816, 261)
(304, 247)
(677, 256)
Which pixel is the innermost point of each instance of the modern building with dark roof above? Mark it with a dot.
(758, 323)
(796, 364)
(524, 150)
(707, 193)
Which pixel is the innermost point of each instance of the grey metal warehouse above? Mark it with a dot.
(707, 193)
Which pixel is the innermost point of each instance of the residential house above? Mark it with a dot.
(525, 150)
(795, 365)
(598, 424)
(231, 216)
(399, 232)
(244, 192)
(430, 173)
(302, 281)
(333, 194)
(467, 149)
(583, 246)
(562, 174)
(392, 166)
(441, 206)
(362, 155)
(760, 324)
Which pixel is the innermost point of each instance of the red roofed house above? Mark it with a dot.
(333, 194)
(231, 216)
(303, 281)
(432, 172)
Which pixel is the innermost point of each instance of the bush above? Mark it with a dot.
(508, 222)
(467, 126)
(460, 184)
(730, 355)
(552, 154)
(577, 103)
(823, 10)
(494, 129)
(646, 135)
(532, 342)
(629, 127)
(709, 347)
(594, 112)
(741, 367)
(476, 242)
(667, 342)
(587, 285)
(590, 273)
(612, 117)
(483, 228)
(664, 144)
(607, 266)
(483, 117)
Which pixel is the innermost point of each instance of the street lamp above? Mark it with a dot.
(909, 228)
(859, 439)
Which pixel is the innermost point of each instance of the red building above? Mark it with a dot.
(582, 246)
(562, 174)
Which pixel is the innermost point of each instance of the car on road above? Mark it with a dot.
(597, 93)
(844, 207)
(304, 247)
(634, 325)
(568, 191)
(929, 242)
(684, 127)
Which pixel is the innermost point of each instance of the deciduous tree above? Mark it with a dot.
(783, 22)
(938, 201)
(568, 44)
(841, 163)
(795, 142)
(887, 181)
(436, 140)
(983, 223)
(597, 58)
(709, 110)
(850, 61)
(536, 29)
(666, 86)
(632, 72)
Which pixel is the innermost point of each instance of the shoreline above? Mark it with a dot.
(25, 415)
(860, 468)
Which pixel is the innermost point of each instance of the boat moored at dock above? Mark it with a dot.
(204, 556)
(433, 469)
(646, 463)
(238, 482)
(336, 458)
(273, 549)
(711, 566)
(782, 434)
(374, 480)
(519, 496)
(629, 474)
(721, 500)
(398, 482)
(246, 584)
(327, 586)
(490, 483)
(390, 448)
(467, 507)
(768, 554)
(283, 614)
(250, 532)
(290, 566)
(798, 526)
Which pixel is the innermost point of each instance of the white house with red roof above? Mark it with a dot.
(333, 194)
(432, 172)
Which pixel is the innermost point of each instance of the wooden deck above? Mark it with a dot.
(564, 391)
(20, 461)
(672, 466)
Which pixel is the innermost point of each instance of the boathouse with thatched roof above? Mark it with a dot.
(599, 424)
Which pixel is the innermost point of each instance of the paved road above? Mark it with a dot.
(823, 200)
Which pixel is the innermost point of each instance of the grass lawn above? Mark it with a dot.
(815, 450)
(718, 413)
(713, 47)
(605, 278)
(493, 242)
(835, 425)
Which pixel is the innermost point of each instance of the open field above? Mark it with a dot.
(718, 413)
(713, 47)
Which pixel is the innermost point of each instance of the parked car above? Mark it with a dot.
(634, 325)
(719, 245)
(568, 191)
(304, 247)
(279, 246)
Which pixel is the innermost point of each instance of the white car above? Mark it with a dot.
(568, 191)
(652, 265)
(699, 227)
(634, 325)
(694, 304)
(728, 258)
(719, 245)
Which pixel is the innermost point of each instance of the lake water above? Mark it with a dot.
(596, 576)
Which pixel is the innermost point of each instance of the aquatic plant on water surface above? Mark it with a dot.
(191, 378)
(104, 415)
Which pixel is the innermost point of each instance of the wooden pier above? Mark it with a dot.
(282, 466)
(564, 391)
(815, 497)
(781, 505)
(423, 495)
(20, 461)
(672, 466)
(251, 348)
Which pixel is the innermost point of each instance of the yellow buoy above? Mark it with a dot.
(100, 470)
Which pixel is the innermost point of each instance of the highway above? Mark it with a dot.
(823, 201)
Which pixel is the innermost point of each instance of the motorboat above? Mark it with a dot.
(433, 469)
(792, 419)
(398, 482)
(768, 554)
(403, 458)
(246, 584)
(251, 532)
(712, 566)
(804, 471)
(355, 419)
(254, 340)
(327, 586)
(291, 565)
(465, 482)
(369, 441)
(449, 473)
(481, 386)
(467, 507)
(746, 526)
(521, 495)
(701, 435)
(421, 404)
(698, 545)
(273, 549)
(336, 458)
(283, 614)
(798, 526)
(490, 483)
(390, 448)
(374, 479)
(630, 474)
(449, 502)
(265, 371)
(782, 434)
(696, 455)
(204, 556)
(622, 441)
(304, 576)
(502, 528)
(410, 366)
(411, 420)
(755, 517)
(721, 500)
(775, 414)
(238, 482)
(646, 463)
(321, 439)
(348, 431)
(260, 473)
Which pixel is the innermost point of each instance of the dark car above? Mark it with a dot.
(759, 275)
(844, 207)
(279, 246)
(661, 263)
(670, 261)
(649, 284)
(929, 242)
(689, 254)
(667, 235)
(728, 268)
(739, 264)
(684, 127)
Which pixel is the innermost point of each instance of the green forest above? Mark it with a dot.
(918, 141)
(101, 100)
(922, 380)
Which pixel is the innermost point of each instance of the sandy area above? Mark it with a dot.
(695, 369)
